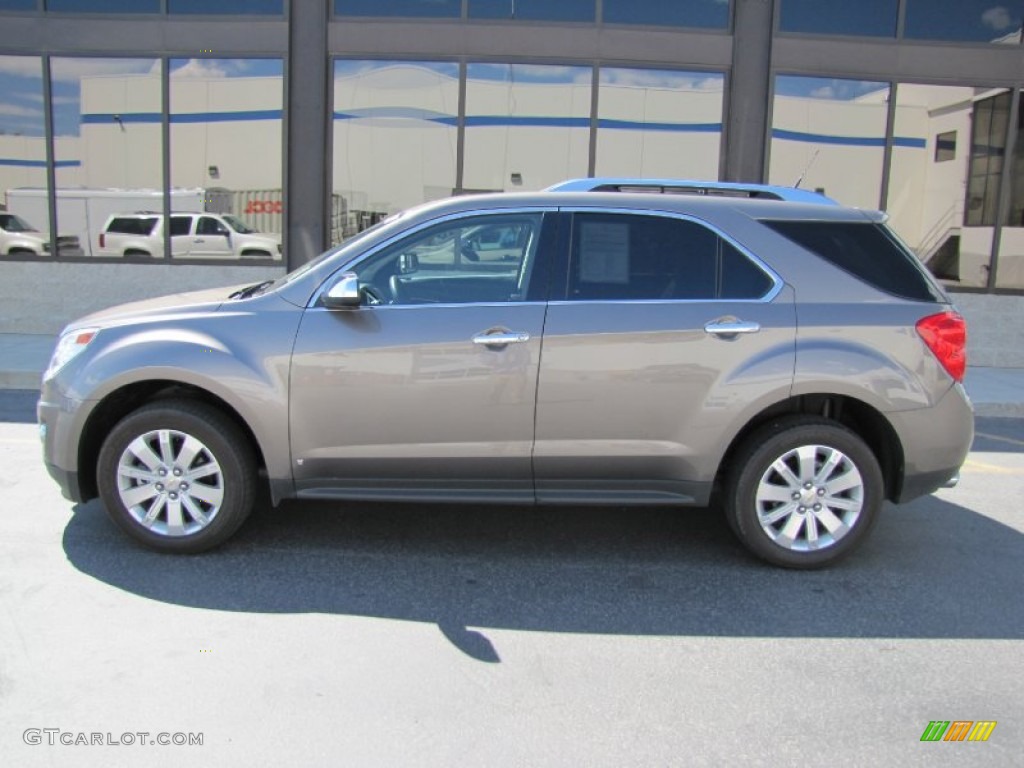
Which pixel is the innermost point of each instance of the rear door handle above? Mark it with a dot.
(500, 339)
(731, 327)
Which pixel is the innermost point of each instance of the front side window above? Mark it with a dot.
(626, 257)
(479, 259)
(208, 226)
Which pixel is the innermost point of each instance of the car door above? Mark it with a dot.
(212, 239)
(428, 389)
(181, 235)
(663, 335)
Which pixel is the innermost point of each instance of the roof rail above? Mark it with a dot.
(688, 187)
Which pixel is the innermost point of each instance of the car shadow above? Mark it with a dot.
(931, 569)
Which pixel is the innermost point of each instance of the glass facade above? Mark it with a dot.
(226, 144)
(410, 113)
(928, 201)
(659, 123)
(394, 137)
(824, 128)
(410, 8)
(708, 14)
(979, 21)
(227, 7)
(103, 6)
(867, 18)
(1010, 267)
(527, 126)
(23, 179)
(106, 119)
(536, 10)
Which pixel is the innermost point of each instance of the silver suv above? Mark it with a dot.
(597, 343)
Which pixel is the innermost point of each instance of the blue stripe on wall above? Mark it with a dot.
(16, 163)
(847, 141)
(499, 121)
(185, 117)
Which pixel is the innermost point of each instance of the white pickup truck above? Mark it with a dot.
(19, 238)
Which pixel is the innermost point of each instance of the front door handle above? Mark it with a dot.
(731, 327)
(500, 339)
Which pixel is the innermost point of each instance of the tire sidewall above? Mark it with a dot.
(221, 439)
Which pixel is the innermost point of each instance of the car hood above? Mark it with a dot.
(193, 302)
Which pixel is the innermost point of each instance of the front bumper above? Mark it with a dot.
(60, 429)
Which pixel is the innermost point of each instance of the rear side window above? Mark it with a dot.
(635, 257)
(864, 250)
(133, 226)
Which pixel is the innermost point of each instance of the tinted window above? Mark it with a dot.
(208, 226)
(477, 259)
(224, 7)
(628, 257)
(17, 5)
(866, 18)
(104, 6)
(132, 226)
(545, 10)
(945, 147)
(436, 8)
(678, 13)
(865, 251)
(741, 278)
(983, 21)
(180, 225)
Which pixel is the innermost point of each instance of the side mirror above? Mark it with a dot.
(344, 294)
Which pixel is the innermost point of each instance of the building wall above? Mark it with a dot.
(393, 165)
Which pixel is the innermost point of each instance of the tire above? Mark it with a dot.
(177, 476)
(803, 492)
(255, 254)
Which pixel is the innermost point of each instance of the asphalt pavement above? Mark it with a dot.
(382, 634)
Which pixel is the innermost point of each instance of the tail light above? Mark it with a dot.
(103, 239)
(946, 336)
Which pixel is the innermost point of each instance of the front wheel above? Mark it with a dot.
(177, 475)
(804, 492)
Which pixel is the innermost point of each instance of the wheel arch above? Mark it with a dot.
(861, 418)
(120, 402)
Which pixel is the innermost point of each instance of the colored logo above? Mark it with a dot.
(958, 730)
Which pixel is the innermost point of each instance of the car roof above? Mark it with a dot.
(699, 206)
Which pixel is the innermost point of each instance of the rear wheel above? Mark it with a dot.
(177, 475)
(803, 492)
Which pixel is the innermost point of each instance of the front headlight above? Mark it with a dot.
(69, 346)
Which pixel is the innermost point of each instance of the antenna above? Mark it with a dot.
(807, 167)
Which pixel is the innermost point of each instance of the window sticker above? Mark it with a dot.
(604, 253)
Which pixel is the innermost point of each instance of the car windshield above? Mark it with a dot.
(238, 225)
(12, 223)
